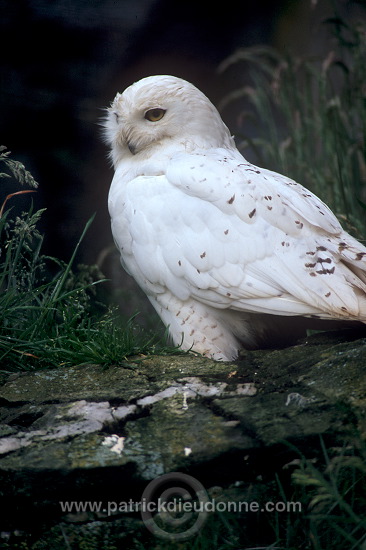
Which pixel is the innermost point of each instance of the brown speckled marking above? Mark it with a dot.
(310, 265)
(231, 200)
(300, 224)
(324, 261)
(251, 214)
(326, 271)
(226, 231)
(328, 294)
(203, 255)
(322, 248)
(186, 319)
(179, 262)
(360, 255)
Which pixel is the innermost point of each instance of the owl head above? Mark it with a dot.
(162, 111)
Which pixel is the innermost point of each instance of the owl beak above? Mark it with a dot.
(132, 148)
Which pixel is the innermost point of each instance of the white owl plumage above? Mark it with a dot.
(229, 254)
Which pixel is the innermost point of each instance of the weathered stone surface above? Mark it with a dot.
(164, 406)
(74, 431)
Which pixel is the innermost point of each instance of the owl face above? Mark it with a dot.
(153, 113)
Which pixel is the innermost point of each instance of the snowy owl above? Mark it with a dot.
(230, 255)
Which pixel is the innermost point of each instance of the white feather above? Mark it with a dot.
(219, 245)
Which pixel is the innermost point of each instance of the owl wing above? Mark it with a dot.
(231, 235)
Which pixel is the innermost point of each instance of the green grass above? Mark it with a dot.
(310, 117)
(335, 497)
(52, 320)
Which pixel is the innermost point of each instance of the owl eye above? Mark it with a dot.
(155, 114)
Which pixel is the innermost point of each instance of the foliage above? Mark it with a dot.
(312, 118)
(336, 497)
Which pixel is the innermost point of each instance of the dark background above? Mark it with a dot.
(63, 61)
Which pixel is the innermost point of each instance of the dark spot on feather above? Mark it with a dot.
(251, 214)
(328, 294)
(312, 274)
(300, 224)
(344, 308)
(322, 248)
(179, 262)
(203, 255)
(226, 231)
(326, 271)
(310, 265)
(198, 271)
(269, 207)
(324, 261)
(228, 294)
(311, 253)
(360, 255)
(231, 200)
